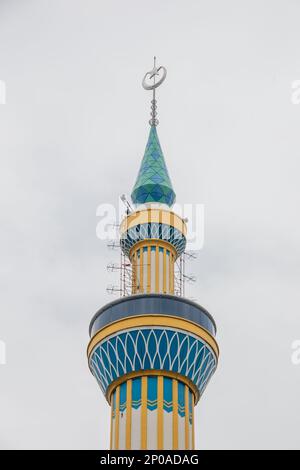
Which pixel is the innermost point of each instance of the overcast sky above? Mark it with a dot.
(72, 134)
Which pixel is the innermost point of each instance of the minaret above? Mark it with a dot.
(152, 353)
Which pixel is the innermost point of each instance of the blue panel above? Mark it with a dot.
(181, 402)
(168, 394)
(174, 348)
(163, 348)
(123, 393)
(184, 353)
(152, 393)
(205, 362)
(114, 401)
(205, 378)
(130, 352)
(181, 389)
(152, 345)
(140, 342)
(120, 352)
(147, 364)
(136, 393)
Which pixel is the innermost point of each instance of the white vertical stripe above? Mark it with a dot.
(137, 287)
(152, 271)
(167, 273)
(145, 268)
(136, 429)
(181, 432)
(168, 430)
(113, 427)
(122, 430)
(161, 271)
(191, 435)
(152, 429)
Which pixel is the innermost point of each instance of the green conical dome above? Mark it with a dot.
(153, 183)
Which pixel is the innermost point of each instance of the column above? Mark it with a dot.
(152, 412)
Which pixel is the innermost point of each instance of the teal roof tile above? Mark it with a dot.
(153, 183)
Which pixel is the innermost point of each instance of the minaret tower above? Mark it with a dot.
(152, 352)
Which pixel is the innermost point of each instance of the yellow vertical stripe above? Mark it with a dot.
(172, 217)
(111, 424)
(186, 416)
(132, 277)
(117, 418)
(128, 413)
(193, 424)
(144, 414)
(164, 271)
(160, 412)
(149, 270)
(141, 270)
(170, 273)
(175, 414)
(157, 269)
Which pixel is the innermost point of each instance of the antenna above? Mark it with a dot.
(190, 255)
(124, 269)
(190, 278)
(111, 289)
(113, 245)
(180, 276)
(112, 267)
(126, 203)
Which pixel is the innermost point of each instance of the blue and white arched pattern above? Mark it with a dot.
(153, 230)
(158, 348)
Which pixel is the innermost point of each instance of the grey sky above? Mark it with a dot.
(73, 132)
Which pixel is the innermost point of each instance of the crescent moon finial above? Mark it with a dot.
(157, 75)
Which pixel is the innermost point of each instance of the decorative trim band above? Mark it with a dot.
(153, 215)
(152, 231)
(163, 348)
(153, 372)
(153, 320)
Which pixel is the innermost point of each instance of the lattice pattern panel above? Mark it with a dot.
(153, 348)
(153, 230)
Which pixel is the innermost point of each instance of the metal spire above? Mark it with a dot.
(161, 73)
